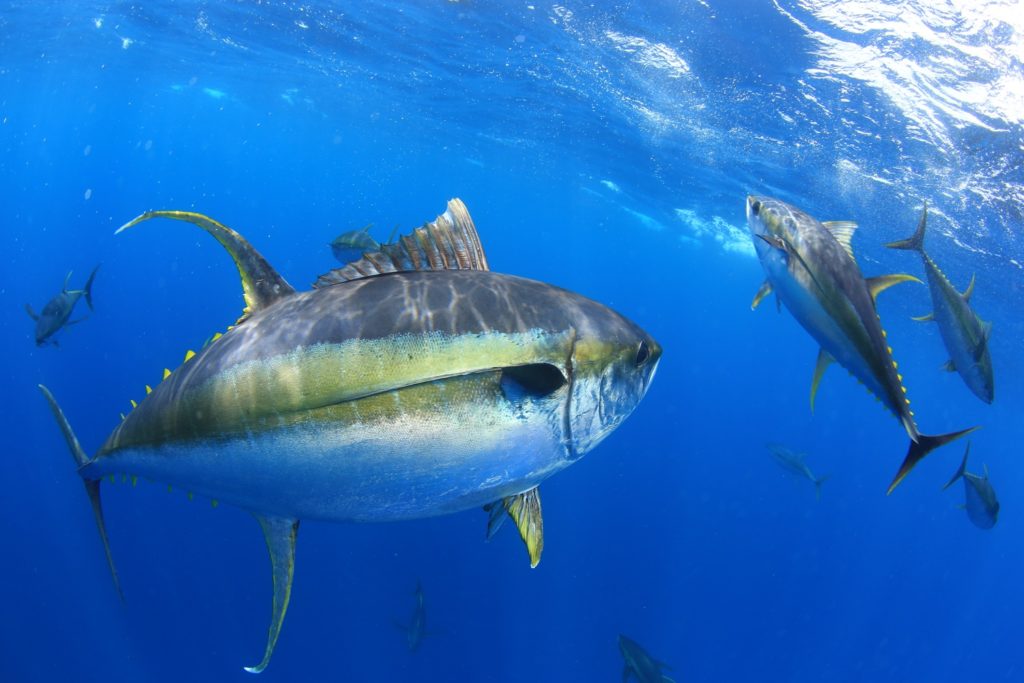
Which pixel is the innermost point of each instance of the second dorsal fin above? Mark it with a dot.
(261, 284)
(450, 242)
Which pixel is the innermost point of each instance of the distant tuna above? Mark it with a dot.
(350, 246)
(416, 629)
(57, 311)
(810, 267)
(639, 664)
(964, 333)
(413, 382)
(795, 463)
(980, 500)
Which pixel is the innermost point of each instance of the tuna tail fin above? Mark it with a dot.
(817, 486)
(924, 445)
(92, 486)
(88, 287)
(916, 241)
(961, 470)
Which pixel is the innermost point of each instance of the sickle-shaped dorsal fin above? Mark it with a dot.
(261, 284)
(450, 242)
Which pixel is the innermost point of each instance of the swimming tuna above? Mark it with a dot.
(810, 267)
(351, 245)
(639, 664)
(964, 333)
(56, 313)
(795, 463)
(411, 383)
(980, 500)
(416, 630)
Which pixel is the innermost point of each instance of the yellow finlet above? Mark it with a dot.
(216, 336)
(190, 495)
(214, 503)
(135, 480)
(149, 390)
(134, 404)
(122, 417)
(167, 373)
(189, 355)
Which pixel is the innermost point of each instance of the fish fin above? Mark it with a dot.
(67, 279)
(524, 509)
(625, 673)
(843, 232)
(986, 331)
(92, 486)
(949, 366)
(496, 517)
(76, 321)
(824, 360)
(280, 534)
(926, 318)
(963, 468)
(924, 445)
(261, 284)
(450, 242)
(970, 289)
(765, 290)
(31, 313)
(88, 287)
(817, 486)
(666, 679)
(877, 285)
(916, 241)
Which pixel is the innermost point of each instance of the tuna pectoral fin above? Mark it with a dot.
(824, 360)
(918, 449)
(949, 366)
(963, 468)
(765, 290)
(92, 486)
(280, 533)
(524, 509)
(926, 318)
(31, 313)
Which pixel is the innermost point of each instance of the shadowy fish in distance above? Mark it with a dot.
(350, 246)
(639, 664)
(980, 500)
(56, 313)
(794, 462)
(810, 267)
(963, 332)
(411, 383)
(416, 631)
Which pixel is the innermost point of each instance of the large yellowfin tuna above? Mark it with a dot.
(963, 332)
(413, 382)
(810, 267)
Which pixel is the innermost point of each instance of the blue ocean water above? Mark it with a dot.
(606, 148)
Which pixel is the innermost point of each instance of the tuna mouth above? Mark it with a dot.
(753, 206)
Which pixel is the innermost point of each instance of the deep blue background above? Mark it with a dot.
(575, 138)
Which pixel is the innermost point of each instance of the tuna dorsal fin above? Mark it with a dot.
(524, 509)
(880, 283)
(970, 289)
(949, 366)
(450, 242)
(765, 290)
(280, 533)
(843, 232)
(824, 360)
(261, 284)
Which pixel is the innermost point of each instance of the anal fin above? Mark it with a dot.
(524, 509)
(280, 534)
(764, 291)
(824, 360)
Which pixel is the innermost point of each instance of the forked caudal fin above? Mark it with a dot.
(916, 241)
(924, 445)
(92, 486)
(960, 471)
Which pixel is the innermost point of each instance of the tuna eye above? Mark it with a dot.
(755, 207)
(643, 353)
